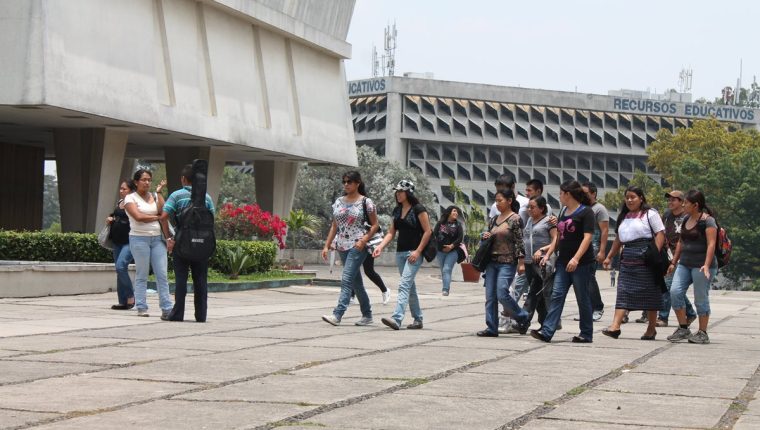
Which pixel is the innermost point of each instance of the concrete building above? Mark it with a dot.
(96, 84)
(473, 132)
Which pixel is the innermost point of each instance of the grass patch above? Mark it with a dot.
(272, 275)
(417, 381)
(577, 390)
(738, 407)
(296, 424)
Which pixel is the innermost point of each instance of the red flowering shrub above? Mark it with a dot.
(246, 221)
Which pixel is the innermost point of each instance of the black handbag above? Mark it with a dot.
(657, 260)
(431, 249)
(483, 255)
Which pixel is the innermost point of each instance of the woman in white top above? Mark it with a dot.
(638, 287)
(145, 241)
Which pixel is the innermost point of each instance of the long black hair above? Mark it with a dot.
(445, 216)
(576, 191)
(130, 183)
(414, 201)
(697, 197)
(138, 174)
(541, 203)
(624, 208)
(354, 176)
(509, 194)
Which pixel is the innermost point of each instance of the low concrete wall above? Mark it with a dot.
(44, 278)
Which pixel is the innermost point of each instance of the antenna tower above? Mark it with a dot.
(684, 80)
(389, 59)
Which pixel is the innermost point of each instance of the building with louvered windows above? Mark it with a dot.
(474, 132)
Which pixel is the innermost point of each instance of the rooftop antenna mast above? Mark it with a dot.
(375, 63)
(389, 59)
(684, 80)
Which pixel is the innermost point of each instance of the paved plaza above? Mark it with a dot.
(265, 359)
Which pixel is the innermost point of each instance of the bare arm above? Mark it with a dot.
(425, 224)
(604, 229)
(613, 252)
(330, 237)
(712, 238)
(386, 240)
(131, 209)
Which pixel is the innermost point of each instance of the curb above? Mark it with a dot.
(220, 287)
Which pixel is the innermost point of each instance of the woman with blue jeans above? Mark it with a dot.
(449, 234)
(694, 262)
(350, 234)
(507, 260)
(575, 261)
(411, 221)
(122, 256)
(146, 244)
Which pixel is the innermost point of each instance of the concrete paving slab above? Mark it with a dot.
(288, 355)
(312, 390)
(642, 409)
(182, 415)
(371, 337)
(155, 328)
(502, 343)
(11, 418)
(206, 342)
(82, 393)
(316, 328)
(43, 343)
(691, 386)
(200, 369)
(12, 370)
(113, 355)
(429, 412)
(556, 424)
(697, 360)
(748, 422)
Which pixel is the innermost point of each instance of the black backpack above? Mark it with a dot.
(194, 239)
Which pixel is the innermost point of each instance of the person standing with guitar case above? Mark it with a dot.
(192, 212)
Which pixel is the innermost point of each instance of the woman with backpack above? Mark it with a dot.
(350, 234)
(449, 233)
(638, 285)
(410, 220)
(122, 257)
(694, 262)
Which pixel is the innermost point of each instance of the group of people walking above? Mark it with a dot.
(543, 255)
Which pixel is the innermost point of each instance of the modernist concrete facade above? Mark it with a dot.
(96, 84)
(473, 132)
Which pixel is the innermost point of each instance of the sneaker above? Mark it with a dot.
(510, 329)
(364, 321)
(597, 315)
(642, 320)
(625, 319)
(445, 293)
(331, 319)
(390, 322)
(386, 296)
(142, 313)
(690, 320)
(165, 315)
(680, 334)
(699, 337)
(416, 325)
(352, 301)
(661, 323)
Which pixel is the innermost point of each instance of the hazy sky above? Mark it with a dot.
(593, 46)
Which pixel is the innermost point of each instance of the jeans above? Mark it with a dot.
(665, 311)
(519, 287)
(407, 290)
(498, 278)
(351, 280)
(446, 260)
(593, 289)
(562, 281)
(122, 257)
(150, 251)
(684, 276)
(540, 293)
(200, 288)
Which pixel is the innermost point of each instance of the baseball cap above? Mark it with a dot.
(675, 194)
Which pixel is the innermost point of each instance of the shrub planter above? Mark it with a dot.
(469, 273)
(39, 279)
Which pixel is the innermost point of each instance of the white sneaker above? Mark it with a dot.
(352, 301)
(142, 313)
(364, 321)
(386, 296)
(331, 319)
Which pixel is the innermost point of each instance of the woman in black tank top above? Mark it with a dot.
(122, 257)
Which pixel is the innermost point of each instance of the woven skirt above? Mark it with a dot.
(637, 288)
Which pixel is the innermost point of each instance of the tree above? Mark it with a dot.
(237, 187)
(301, 222)
(51, 208)
(653, 191)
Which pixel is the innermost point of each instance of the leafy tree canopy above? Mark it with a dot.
(653, 191)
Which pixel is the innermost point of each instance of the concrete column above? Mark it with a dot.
(395, 148)
(276, 185)
(88, 162)
(22, 175)
(178, 157)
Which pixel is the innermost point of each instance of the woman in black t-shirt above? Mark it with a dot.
(411, 221)
(449, 234)
(122, 257)
(574, 262)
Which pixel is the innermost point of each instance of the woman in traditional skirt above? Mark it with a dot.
(637, 288)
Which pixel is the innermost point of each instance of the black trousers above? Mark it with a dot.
(200, 288)
(538, 300)
(369, 270)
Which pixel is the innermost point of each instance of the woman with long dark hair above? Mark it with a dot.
(449, 233)
(507, 260)
(122, 256)
(146, 244)
(539, 237)
(410, 220)
(694, 262)
(351, 237)
(638, 287)
(574, 262)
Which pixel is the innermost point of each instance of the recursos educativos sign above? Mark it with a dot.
(695, 110)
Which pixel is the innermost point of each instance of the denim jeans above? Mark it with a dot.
(593, 289)
(351, 280)
(498, 278)
(665, 311)
(407, 290)
(122, 257)
(446, 260)
(200, 288)
(562, 281)
(519, 287)
(684, 276)
(150, 251)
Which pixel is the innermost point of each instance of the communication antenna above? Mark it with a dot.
(375, 63)
(389, 59)
(684, 80)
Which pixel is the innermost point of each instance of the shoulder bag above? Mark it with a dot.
(378, 236)
(657, 259)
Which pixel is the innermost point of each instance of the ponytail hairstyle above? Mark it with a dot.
(509, 194)
(576, 192)
(541, 204)
(697, 197)
(354, 176)
(138, 174)
(624, 208)
(130, 183)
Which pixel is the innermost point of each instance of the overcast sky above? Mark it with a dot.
(590, 45)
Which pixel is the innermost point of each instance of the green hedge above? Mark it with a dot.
(84, 248)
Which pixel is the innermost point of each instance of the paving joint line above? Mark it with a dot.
(740, 403)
